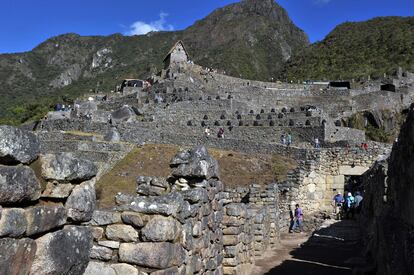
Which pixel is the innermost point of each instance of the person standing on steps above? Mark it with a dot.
(298, 219)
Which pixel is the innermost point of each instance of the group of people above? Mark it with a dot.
(347, 206)
(220, 133)
(286, 139)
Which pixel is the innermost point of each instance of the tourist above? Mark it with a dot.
(220, 133)
(358, 202)
(338, 201)
(283, 139)
(298, 219)
(289, 139)
(317, 145)
(207, 132)
(349, 204)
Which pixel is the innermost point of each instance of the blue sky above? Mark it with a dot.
(26, 23)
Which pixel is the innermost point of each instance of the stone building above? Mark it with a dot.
(177, 54)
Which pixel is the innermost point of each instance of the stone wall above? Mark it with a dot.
(387, 219)
(42, 205)
(250, 225)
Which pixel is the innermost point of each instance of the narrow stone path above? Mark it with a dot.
(333, 249)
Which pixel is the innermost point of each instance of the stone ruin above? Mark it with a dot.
(190, 222)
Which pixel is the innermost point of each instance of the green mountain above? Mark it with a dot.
(356, 50)
(252, 39)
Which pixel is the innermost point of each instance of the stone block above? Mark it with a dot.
(121, 232)
(66, 167)
(101, 253)
(57, 190)
(97, 233)
(160, 229)
(81, 202)
(104, 217)
(155, 255)
(137, 220)
(125, 269)
(352, 170)
(98, 268)
(13, 222)
(18, 184)
(63, 252)
(16, 256)
(43, 218)
(17, 146)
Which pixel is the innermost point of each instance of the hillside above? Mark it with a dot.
(355, 50)
(251, 39)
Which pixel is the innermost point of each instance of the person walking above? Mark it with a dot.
(350, 204)
(358, 202)
(207, 132)
(317, 145)
(283, 139)
(338, 201)
(298, 219)
(289, 139)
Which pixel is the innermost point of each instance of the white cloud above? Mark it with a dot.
(140, 27)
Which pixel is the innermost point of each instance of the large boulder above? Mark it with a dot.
(123, 114)
(16, 256)
(43, 218)
(65, 167)
(63, 252)
(81, 202)
(18, 184)
(155, 255)
(17, 146)
(195, 163)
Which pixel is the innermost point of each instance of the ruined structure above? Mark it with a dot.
(190, 222)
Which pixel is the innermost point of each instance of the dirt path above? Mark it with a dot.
(333, 249)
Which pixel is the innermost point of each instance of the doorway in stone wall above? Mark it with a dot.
(353, 183)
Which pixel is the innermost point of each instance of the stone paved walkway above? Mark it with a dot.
(333, 249)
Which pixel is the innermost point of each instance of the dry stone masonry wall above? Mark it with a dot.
(388, 219)
(41, 212)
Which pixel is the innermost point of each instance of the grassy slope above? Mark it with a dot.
(236, 169)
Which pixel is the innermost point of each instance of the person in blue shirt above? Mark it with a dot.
(350, 205)
(338, 201)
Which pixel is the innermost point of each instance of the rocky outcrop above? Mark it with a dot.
(67, 168)
(196, 163)
(17, 146)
